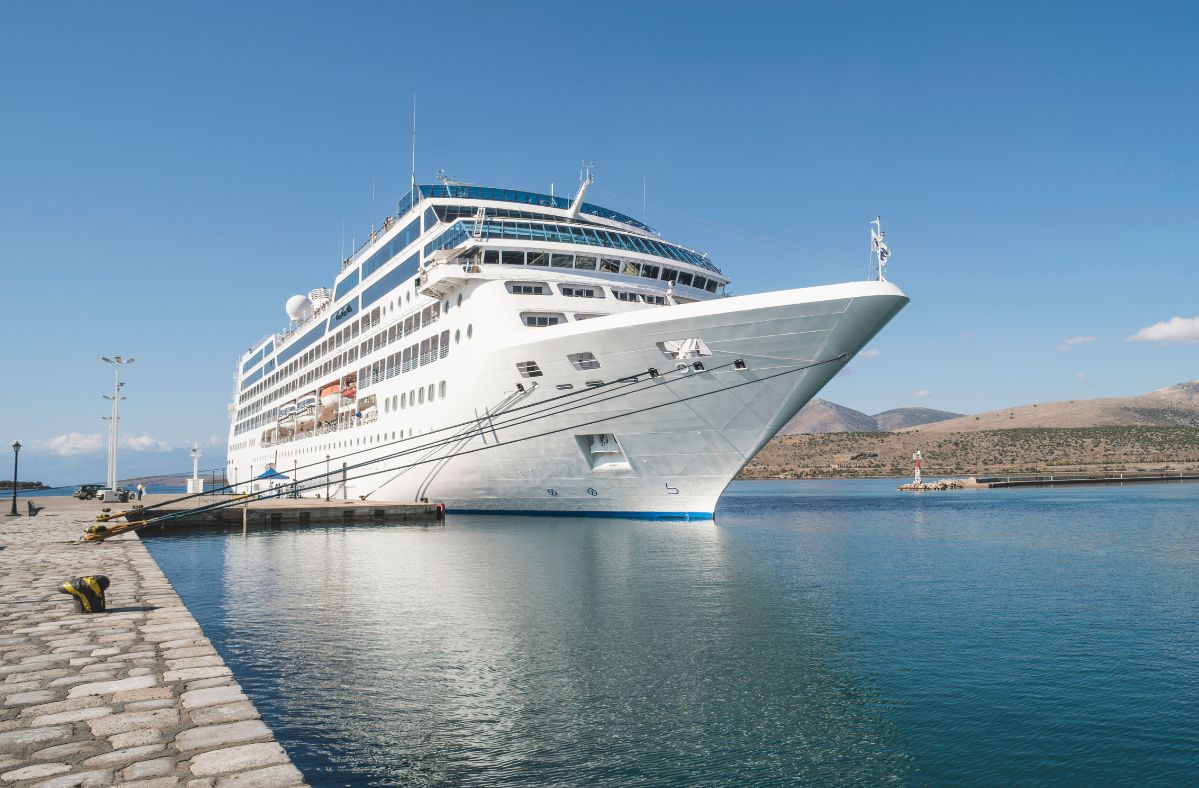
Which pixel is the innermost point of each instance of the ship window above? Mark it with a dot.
(441, 389)
(684, 278)
(624, 295)
(528, 369)
(562, 260)
(421, 396)
(431, 392)
(491, 256)
(699, 283)
(514, 258)
(610, 265)
(630, 268)
(542, 319)
(538, 258)
(404, 400)
(669, 275)
(574, 291)
(712, 284)
(583, 361)
(528, 288)
(470, 330)
(587, 263)
(457, 336)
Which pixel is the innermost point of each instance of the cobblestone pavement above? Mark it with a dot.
(136, 696)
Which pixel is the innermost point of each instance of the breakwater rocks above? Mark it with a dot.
(136, 696)
(943, 484)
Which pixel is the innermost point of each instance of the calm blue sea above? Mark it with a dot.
(816, 632)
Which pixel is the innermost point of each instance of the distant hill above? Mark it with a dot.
(821, 416)
(899, 418)
(1173, 406)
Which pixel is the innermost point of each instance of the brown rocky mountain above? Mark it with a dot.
(899, 418)
(1173, 406)
(821, 416)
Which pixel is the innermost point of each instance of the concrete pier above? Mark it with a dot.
(136, 696)
(272, 512)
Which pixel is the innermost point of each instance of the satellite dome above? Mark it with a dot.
(299, 308)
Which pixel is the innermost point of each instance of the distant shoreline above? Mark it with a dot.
(7, 485)
(874, 455)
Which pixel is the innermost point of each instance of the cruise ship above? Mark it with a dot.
(509, 351)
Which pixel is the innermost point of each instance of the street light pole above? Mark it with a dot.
(116, 398)
(16, 452)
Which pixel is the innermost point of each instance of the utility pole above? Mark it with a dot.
(116, 398)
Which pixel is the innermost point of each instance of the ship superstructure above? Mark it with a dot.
(505, 350)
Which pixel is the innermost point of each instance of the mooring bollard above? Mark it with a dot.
(87, 591)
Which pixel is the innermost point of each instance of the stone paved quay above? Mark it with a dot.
(136, 696)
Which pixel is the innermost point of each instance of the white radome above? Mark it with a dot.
(299, 308)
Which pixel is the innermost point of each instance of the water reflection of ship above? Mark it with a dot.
(770, 656)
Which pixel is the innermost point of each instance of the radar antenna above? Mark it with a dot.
(585, 179)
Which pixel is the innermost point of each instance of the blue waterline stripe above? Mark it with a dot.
(624, 515)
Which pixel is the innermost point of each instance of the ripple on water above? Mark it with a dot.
(818, 632)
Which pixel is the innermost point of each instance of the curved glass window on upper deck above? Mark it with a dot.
(463, 192)
(571, 234)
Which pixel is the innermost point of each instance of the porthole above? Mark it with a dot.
(459, 299)
(412, 398)
(430, 392)
(404, 400)
(470, 330)
(441, 389)
(421, 397)
(457, 336)
(386, 406)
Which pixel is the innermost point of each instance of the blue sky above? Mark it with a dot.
(173, 172)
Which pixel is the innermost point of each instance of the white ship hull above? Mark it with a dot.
(682, 436)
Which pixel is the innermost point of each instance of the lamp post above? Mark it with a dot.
(116, 398)
(16, 452)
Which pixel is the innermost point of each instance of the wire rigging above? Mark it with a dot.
(95, 535)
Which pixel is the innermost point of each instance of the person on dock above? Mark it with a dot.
(141, 490)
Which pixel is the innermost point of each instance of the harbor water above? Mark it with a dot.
(819, 632)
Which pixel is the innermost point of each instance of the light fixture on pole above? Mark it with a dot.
(16, 451)
(116, 398)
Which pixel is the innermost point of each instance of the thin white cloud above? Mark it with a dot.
(143, 443)
(1176, 329)
(1074, 342)
(1082, 378)
(871, 353)
(74, 443)
(922, 393)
